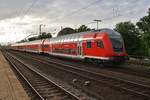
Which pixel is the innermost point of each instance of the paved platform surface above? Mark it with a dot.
(10, 87)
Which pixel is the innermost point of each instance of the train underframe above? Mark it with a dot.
(111, 61)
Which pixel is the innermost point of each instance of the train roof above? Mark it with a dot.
(34, 42)
(78, 36)
(110, 32)
(27, 43)
(71, 37)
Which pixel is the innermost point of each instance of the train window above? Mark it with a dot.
(52, 41)
(88, 44)
(72, 39)
(100, 44)
(79, 39)
(45, 46)
(56, 40)
(68, 40)
(117, 44)
(76, 38)
(64, 39)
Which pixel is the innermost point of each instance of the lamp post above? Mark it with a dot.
(40, 28)
(97, 21)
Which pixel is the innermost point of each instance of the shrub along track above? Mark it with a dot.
(91, 80)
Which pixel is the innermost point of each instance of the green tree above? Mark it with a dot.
(82, 28)
(144, 27)
(31, 39)
(44, 35)
(66, 31)
(144, 23)
(130, 35)
(22, 41)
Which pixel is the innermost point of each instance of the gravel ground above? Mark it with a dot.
(106, 92)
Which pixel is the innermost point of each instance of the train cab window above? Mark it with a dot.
(88, 44)
(100, 44)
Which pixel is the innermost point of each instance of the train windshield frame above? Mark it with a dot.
(117, 44)
(116, 40)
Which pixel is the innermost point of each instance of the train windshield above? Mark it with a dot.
(116, 40)
(117, 44)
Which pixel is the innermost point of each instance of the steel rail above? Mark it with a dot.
(127, 83)
(66, 92)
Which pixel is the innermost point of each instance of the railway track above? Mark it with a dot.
(43, 88)
(132, 70)
(143, 90)
(121, 84)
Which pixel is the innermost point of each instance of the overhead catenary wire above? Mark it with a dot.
(116, 16)
(71, 13)
(26, 11)
(77, 10)
(29, 8)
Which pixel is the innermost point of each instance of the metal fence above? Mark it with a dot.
(143, 60)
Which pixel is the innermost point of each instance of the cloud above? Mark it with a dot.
(55, 13)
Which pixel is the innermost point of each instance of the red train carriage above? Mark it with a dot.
(100, 46)
(19, 46)
(31, 46)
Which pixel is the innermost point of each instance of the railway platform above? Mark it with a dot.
(10, 87)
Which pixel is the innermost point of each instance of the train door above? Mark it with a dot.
(79, 45)
(50, 48)
(42, 46)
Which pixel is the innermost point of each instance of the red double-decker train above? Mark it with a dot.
(104, 45)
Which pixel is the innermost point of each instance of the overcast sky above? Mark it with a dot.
(18, 17)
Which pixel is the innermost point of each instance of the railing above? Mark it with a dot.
(142, 60)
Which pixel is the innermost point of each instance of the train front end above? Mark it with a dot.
(117, 53)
